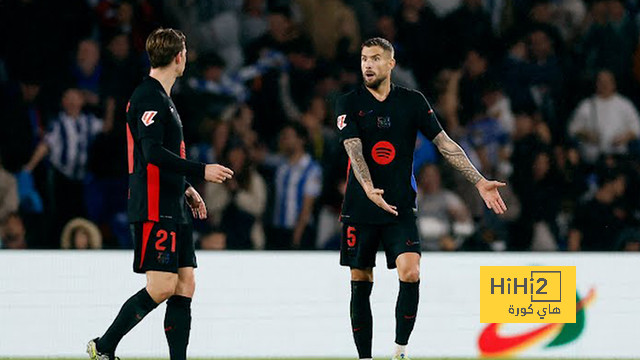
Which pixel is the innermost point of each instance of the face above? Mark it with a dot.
(289, 141)
(413, 4)
(88, 53)
(125, 13)
(541, 46)
(616, 10)
(376, 65)
(524, 125)
(605, 84)
(387, 28)
(237, 159)
(81, 240)
(542, 13)
(119, 47)
(279, 27)
(475, 64)
(29, 92)
(619, 186)
(541, 166)
(72, 102)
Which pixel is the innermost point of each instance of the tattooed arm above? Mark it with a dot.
(361, 171)
(454, 154)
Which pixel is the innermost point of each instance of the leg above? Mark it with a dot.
(160, 268)
(358, 250)
(177, 319)
(361, 317)
(160, 285)
(407, 305)
(402, 247)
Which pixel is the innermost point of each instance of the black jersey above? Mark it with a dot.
(156, 156)
(388, 131)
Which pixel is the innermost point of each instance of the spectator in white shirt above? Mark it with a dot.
(606, 122)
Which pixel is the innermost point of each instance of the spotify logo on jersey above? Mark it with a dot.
(383, 152)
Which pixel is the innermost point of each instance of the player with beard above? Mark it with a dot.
(162, 236)
(378, 125)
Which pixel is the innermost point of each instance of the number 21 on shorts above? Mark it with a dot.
(351, 236)
(162, 237)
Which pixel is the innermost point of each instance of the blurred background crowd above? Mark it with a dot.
(542, 94)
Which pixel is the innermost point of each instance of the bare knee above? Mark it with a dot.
(408, 267)
(362, 274)
(410, 274)
(161, 286)
(186, 285)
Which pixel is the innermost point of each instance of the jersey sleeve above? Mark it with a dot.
(427, 121)
(345, 120)
(151, 134)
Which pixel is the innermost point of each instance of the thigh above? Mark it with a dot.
(186, 247)
(400, 238)
(359, 245)
(155, 246)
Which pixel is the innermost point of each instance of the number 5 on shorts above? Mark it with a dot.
(351, 236)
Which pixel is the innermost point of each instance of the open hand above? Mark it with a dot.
(375, 195)
(196, 204)
(489, 192)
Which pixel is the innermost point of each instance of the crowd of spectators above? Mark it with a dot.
(542, 94)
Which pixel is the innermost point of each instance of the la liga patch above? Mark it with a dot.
(341, 121)
(147, 117)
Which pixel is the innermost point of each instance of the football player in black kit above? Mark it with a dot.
(164, 249)
(378, 124)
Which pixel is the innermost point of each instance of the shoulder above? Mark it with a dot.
(349, 96)
(146, 93)
(410, 94)
(624, 101)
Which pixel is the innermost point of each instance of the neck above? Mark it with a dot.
(165, 76)
(295, 156)
(606, 96)
(382, 91)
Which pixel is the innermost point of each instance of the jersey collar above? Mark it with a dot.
(392, 91)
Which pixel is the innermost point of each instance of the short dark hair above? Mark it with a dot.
(163, 45)
(381, 42)
(607, 175)
(301, 131)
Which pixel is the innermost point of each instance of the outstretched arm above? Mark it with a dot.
(361, 171)
(454, 154)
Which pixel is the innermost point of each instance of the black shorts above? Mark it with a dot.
(360, 242)
(162, 246)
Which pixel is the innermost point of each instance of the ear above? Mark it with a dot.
(179, 58)
(393, 63)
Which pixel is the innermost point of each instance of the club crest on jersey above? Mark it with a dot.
(341, 121)
(384, 122)
(147, 117)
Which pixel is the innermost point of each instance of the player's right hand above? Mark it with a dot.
(217, 173)
(375, 195)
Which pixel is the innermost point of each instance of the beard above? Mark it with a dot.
(375, 83)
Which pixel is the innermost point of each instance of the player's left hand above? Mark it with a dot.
(198, 208)
(489, 192)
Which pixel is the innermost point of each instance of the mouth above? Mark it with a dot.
(369, 75)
